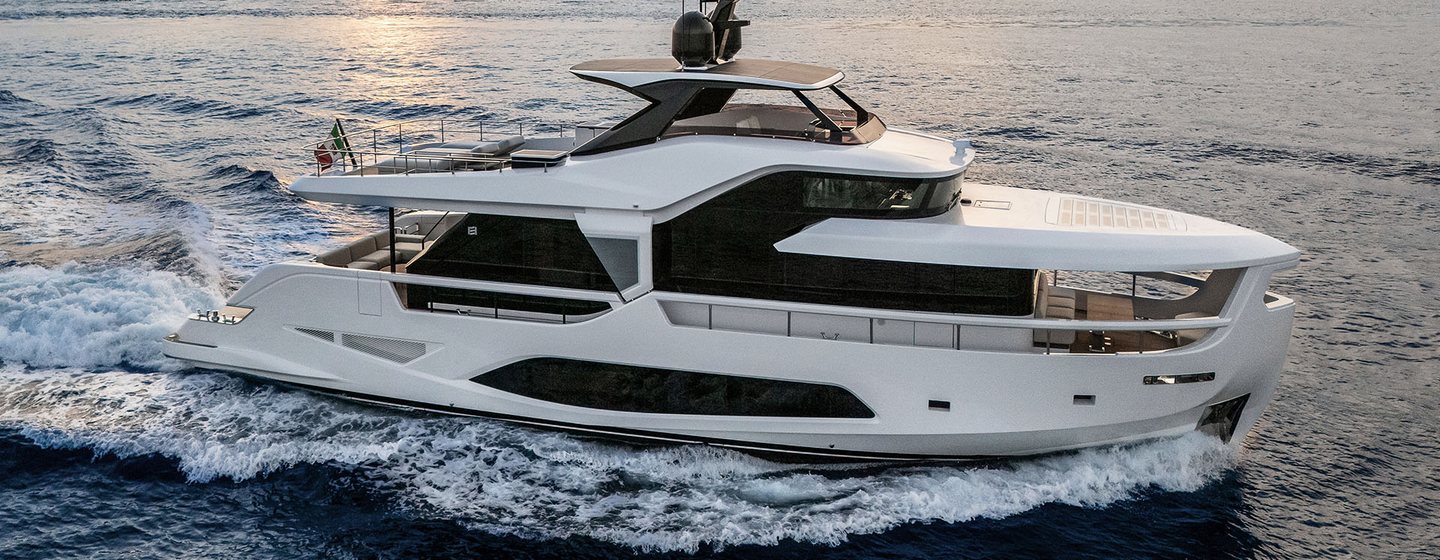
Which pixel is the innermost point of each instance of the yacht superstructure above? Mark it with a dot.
(775, 278)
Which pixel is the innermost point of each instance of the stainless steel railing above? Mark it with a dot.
(390, 149)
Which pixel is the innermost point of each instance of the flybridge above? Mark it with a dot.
(682, 103)
(702, 91)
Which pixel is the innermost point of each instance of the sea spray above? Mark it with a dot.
(505, 479)
(75, 315)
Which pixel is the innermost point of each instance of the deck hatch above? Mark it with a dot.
(1080, 212)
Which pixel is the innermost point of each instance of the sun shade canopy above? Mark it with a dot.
(629, 73)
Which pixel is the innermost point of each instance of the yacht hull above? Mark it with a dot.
(998, 403)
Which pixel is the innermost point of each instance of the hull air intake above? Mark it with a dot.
(327, 336)
(1221, 419)
(393, 349)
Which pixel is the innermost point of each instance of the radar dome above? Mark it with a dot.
(692, 40)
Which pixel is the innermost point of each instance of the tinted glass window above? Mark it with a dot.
(776, 113)
(726, 247)
(827, 192)
(662, 391)
(426, 297)
(518, 250)
(841, 196)
(621, 258)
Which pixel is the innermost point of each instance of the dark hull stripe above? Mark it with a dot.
(767, 450)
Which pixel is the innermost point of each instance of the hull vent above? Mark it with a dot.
(393, 349)
(326, 336)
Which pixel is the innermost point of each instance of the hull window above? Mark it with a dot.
(662, 391)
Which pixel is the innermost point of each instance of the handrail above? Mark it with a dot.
(1182, 279)
(394, 137)
(1025, 322)
(401, 163)
(484, 285)
(399, 126)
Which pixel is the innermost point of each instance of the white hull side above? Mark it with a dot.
(1002, 403)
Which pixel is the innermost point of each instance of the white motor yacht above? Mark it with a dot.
(780, 278)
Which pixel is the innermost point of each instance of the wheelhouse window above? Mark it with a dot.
(776, 113)
(878, 197)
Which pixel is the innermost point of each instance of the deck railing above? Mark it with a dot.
(389, 149)
(780, 318)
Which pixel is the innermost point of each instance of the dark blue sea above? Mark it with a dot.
(145, 149)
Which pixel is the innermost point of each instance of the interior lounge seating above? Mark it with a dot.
(372, 252)
(1187, 336)
(1053, 302)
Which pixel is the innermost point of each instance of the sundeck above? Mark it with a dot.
(793, 278)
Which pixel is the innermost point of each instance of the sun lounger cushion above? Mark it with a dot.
(492, 147)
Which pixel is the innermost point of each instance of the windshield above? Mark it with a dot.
(777, 114)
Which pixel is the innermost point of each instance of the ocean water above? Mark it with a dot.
(145, 147)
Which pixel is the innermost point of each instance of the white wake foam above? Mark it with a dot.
(510, 480)
(83, 316)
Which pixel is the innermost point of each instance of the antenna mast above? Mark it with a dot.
(727, 28)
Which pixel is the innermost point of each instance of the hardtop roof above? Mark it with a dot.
(633, 72)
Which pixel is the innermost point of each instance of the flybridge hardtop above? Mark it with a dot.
(701, 101)
(636, 72)
(794, 279)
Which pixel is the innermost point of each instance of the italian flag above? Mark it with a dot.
(336, 147)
